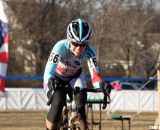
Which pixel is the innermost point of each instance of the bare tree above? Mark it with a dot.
(35, 34)
(123, 24)
(120, 29)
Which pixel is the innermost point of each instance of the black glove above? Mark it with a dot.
(52, 85)
(106, 87)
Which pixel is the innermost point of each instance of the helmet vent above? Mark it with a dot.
(79, 30)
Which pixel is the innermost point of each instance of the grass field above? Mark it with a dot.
(35, 120)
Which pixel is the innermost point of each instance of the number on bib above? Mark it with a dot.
(54, 58)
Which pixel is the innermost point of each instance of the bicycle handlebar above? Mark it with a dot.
(106, 98)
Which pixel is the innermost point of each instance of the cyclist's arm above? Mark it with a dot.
(93, 68)
(52, 63)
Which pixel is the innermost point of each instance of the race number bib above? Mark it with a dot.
(54, 58)
(92, 62)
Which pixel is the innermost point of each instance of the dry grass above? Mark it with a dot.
(35, 120)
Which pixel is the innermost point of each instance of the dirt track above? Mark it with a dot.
(22, 120)
(35, 120)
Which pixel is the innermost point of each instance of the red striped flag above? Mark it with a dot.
(4, 33)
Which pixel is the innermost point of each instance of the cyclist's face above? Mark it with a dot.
(77, 49)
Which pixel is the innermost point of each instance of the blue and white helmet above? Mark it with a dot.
(79, 31)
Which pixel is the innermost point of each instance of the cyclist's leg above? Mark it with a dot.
(81, 97)
(54, 114)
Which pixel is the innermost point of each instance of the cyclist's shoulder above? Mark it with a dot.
(90, 51)
(62, 43)
(61, 46)
(91, 47)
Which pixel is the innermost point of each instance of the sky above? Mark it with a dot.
(157, 5)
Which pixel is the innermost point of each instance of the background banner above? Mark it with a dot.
(4, 32)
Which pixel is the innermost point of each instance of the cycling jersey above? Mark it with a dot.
(63, 63)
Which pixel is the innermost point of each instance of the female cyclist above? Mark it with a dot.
(65, 66)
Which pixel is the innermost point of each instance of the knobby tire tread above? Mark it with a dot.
(78, 124)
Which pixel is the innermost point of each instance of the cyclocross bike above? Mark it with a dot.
(70, 119)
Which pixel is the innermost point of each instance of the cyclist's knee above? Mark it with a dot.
(50, 126)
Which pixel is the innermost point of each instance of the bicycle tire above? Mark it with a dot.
(62, 125)
(61, 128)
(78, 124)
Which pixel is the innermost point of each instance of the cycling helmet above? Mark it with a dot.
(79, 31)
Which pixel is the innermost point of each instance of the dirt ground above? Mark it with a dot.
(35, 120)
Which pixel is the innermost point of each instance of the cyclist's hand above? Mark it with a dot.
(52, 86)
(109, 88)
(53, 83)
(106, 87)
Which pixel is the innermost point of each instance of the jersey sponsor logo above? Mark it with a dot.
(54, 58)
(68, 69)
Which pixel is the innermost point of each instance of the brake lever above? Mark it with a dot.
(106, 100)
(108, 97)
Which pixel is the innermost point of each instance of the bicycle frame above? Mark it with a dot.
(71, 119)
(69, 115)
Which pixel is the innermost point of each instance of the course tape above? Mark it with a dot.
(87, 78)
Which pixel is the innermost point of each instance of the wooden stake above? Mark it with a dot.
(158, 80)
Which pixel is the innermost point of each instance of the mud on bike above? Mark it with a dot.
(70, 119)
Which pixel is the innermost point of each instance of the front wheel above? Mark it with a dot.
(61, 128)
(78, 124)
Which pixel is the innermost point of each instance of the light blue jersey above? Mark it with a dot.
(63, 63)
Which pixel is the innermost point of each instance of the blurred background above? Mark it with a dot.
(126, 35)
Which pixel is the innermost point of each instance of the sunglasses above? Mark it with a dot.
(79, 45)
